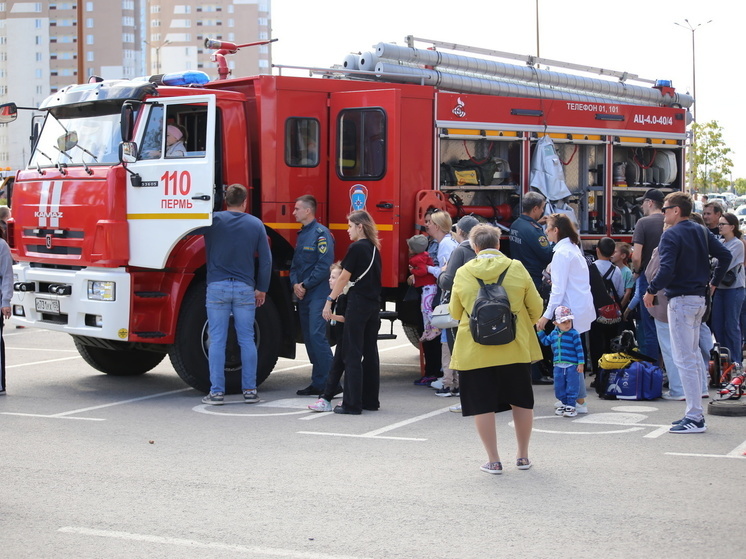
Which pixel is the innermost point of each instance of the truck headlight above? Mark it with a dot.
(102, 290)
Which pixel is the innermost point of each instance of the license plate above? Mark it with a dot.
(50, 306)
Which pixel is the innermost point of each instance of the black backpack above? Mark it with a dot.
(491, 321)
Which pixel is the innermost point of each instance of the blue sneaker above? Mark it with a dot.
(687, 425)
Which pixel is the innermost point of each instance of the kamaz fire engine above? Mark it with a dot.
(103, 219)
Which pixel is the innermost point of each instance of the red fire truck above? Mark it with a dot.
(103, 217)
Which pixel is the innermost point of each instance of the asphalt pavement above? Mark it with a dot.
(94, 466)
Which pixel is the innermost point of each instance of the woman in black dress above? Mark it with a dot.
(361, 266)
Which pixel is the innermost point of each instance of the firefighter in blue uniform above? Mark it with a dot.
(528, 242)
(529, 245)
(309, 275)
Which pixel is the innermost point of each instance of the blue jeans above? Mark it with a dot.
(566, 384)
(664, 341)
(647, 336)
(313, 326)
(223, 299)
(684, 319)
(726, 320)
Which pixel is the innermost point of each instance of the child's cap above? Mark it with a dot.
(417, 244)
(562, 314)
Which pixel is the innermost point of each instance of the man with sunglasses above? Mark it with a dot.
(685, 250)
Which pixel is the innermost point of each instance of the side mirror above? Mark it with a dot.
(67, 141)
(8, 113)
(127, 121)
(128, 152)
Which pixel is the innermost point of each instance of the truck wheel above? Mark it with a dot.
(413, 334)
(189, 352)
(122, 362)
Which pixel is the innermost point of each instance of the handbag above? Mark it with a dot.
(441, 317)
(730, 276)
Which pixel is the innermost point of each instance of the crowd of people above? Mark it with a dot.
(660, 283)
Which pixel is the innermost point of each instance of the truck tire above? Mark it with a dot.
(413, 333)
(119, 362)
(189, 351)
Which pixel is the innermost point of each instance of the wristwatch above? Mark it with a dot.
(328, 298)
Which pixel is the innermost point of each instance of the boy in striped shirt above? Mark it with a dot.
(569, 360)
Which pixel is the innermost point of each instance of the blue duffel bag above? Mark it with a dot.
(639, 381)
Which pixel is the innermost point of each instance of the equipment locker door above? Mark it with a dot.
(177, 182)
(364, 169)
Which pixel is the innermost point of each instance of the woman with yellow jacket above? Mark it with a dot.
(496, 378)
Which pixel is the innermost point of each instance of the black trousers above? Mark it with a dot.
(337, 370)
(362, 371)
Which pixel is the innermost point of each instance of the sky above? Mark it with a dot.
(636, 36)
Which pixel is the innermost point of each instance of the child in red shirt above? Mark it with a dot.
(419, 260)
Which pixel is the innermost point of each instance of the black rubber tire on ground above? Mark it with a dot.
(124, 362)
(413, 334)
(730, 408)
(189, 351)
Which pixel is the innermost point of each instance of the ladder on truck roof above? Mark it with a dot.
(466, 74)
(530, 60)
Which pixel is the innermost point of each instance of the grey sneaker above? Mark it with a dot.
(214, 399)
(250, 396)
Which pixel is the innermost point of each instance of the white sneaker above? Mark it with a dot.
(455, 409)
(581, 408)
(560, 410)
(321, 405)
(667, 396)
(570, 411)
(437, 384)
(558, 404)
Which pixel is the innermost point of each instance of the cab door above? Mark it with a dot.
(364, 169)
(176, 187)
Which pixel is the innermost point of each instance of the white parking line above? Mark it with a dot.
(254, 550)
(42, 362)
(14, 348)
(67, 414)
(738, 452)
(376, 434)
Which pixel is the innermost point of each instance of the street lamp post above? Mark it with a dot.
(158, 53)
(693, 28)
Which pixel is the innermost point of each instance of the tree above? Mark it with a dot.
(710, 161)
(740, 185)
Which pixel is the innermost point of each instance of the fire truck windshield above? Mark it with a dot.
(71, 138)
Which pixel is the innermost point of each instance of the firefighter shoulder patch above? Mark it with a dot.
(543, 241)
(322, 244)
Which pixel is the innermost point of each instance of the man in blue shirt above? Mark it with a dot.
(235, 286)
(309, 275)
(685, 249)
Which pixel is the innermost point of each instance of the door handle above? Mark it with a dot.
(204, 197)
(385, 206)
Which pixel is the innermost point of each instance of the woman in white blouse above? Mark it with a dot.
(571, 286)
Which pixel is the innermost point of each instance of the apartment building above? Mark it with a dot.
(40, 42)
(177, 30)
